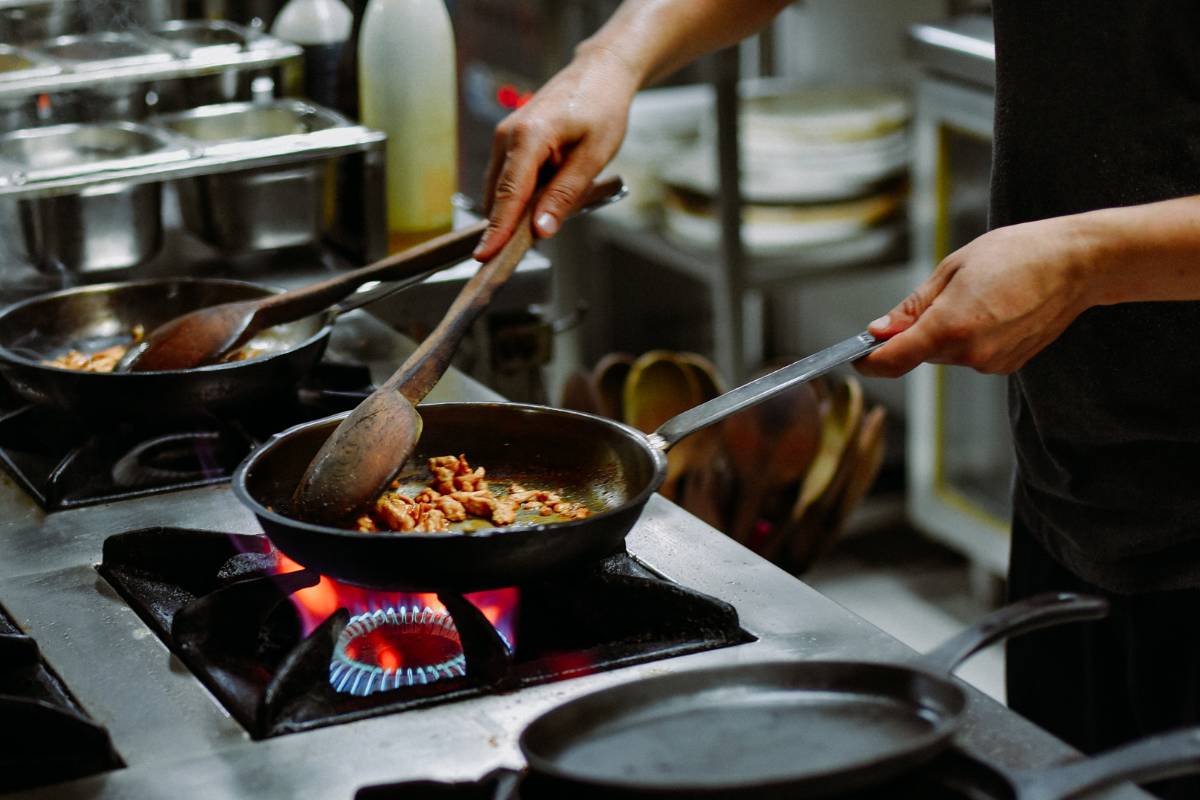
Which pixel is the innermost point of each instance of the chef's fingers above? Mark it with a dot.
(518, 154)
(566, 189)
(905, 315)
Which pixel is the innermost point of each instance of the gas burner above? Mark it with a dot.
(390, 649)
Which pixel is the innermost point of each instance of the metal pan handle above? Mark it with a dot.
(717, 409)
(1156, 758)
(1030, 614)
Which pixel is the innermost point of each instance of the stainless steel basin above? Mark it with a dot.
(204, 40)
(257, 209)
(102, 227)
(103, 50)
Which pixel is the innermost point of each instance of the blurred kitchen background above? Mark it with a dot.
(860, 130)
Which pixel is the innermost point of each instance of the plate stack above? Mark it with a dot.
(821, 169)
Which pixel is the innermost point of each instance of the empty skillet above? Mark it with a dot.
(782, 729)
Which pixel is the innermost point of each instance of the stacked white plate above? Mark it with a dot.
(818, 166)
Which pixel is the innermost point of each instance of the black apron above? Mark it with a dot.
(1098, 106)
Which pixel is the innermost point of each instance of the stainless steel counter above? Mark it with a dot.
(179, 742)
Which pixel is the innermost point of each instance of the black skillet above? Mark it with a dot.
(779, 729)
(612, 468)
(91, 318)
(950, 776)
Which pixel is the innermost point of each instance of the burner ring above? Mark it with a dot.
(363, 662)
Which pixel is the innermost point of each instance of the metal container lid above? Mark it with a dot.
(104, 50)
(963, 48)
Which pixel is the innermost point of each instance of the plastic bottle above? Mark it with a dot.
(322, 28)
(408, 89)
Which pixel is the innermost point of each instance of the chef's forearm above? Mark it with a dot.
(653, 38)
(1139, 253)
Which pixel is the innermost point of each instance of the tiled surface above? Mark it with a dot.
(915, 590)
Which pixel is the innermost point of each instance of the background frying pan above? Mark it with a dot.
(784, 729)
(91, 318)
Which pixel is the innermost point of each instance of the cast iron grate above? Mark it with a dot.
(62, 462)
(46, 737)
(209, 596)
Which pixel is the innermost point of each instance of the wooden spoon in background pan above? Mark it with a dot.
(206, 335)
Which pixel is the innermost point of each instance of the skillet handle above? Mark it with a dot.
(1156, 758)
(683, 425)
(1030, 614)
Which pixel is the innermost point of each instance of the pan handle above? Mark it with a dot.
(1156, 758)
(1030, 614)
(717, 409)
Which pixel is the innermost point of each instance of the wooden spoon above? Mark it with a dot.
(371, 445)
(208, 334)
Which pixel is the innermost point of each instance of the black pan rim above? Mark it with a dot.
(9, 355)
(547, 765)
(243, 469)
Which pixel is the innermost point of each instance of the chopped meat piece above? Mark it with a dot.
(396, 512)
(458, 492)
(366, 524)
(504, 512)
(451, 508)
(427, 495)
(481, 504)
(432, 520)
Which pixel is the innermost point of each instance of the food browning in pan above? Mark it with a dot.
(460, 494)
(99, 361)
(105, 360)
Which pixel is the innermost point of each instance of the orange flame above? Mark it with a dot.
(317, 603)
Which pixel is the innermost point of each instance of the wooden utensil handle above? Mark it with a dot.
(445, 250)
(425, 366)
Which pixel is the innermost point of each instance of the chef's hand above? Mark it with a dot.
(574, 125)
(991, 305)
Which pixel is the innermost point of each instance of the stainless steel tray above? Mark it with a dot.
(171, 57)
(330, 135)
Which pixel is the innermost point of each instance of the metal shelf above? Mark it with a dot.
(811, 263)
(260, 51)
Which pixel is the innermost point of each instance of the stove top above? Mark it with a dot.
(123, 642)
(220, 602)
(62, 462)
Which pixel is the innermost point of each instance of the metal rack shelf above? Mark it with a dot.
(259, 51)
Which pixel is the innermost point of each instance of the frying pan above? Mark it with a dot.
(781, 729)
(91, 318)
(610, 467)
(950, 776)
